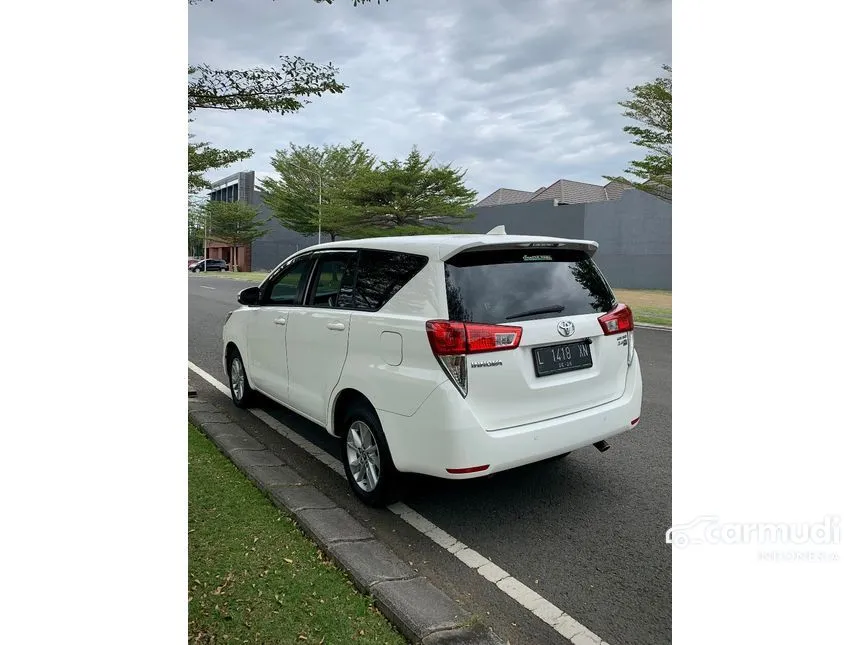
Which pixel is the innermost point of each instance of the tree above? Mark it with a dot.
(651, 106)
(294, 194)
(281, 90)
(355, 3)
(196, 231)
(202, 157)
(409, 197)
(235, 223)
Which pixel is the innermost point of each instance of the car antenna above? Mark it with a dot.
(498, 230)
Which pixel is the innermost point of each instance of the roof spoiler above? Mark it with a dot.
(589, 247)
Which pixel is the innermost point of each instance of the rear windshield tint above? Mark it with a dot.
(507, 286)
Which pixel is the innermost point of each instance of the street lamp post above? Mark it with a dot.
(205, 240)
(319, 211)
(319, 195)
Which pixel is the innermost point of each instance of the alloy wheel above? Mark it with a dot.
(237, 378)
(362, 453)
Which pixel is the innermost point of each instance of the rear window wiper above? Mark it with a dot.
(549, 309)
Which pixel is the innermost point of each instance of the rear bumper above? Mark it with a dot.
(443, 433)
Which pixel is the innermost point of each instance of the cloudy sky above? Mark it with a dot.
(519, 92)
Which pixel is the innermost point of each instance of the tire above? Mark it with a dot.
(363, 431)
(240, 390)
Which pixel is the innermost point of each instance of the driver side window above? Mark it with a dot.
(288, 288)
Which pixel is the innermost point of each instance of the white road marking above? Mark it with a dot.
(203, 286)
(560, 621)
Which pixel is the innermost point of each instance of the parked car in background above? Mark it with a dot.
(209, 265)
(454, 356)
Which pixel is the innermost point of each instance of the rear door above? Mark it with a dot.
(318, 333)
(564, 362)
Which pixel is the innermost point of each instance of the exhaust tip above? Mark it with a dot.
(602, 446)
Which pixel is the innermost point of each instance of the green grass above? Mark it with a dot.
(250, 276)
(653, 316)
(253, 577)
(649, 306)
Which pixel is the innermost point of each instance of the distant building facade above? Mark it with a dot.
(238, 187)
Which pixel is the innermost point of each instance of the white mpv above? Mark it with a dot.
(454, 356)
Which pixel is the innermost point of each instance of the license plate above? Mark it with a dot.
(566, 357)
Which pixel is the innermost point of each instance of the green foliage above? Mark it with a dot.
(409, 197)
(280, 90)
(651, 106)
(293, 195)
(203, 157)
(355, 3)
(196, 221)
(235, 223)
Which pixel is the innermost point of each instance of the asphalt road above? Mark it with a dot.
(586, 532)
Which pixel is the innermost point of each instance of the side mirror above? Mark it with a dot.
(249, 296)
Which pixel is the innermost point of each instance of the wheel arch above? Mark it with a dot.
(232, 346)
(341, 403)
(228, 348)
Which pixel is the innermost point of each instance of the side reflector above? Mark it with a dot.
(635, 421)
(463, 471)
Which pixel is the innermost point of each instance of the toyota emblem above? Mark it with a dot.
(565, 328)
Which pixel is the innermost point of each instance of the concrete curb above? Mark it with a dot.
(651, 326)
(423, 613)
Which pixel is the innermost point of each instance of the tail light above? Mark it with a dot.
(452, 341)
(619, 321)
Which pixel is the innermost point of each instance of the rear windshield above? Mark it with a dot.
(524, 284)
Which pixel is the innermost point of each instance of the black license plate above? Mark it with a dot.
(566, 357)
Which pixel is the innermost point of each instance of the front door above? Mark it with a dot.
(318, 334)
(267, 328)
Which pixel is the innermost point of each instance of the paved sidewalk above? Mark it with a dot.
(421, 612)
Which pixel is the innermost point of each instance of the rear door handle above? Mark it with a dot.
(280, 321)
(336, 326)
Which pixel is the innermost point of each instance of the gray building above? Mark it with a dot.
(238, 187)
(633, 228)
(279, 243)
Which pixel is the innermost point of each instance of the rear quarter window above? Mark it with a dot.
(380, 275)
(504, 286)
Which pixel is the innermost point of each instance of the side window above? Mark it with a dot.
(288, 288)
(333, 271)
(381, 274)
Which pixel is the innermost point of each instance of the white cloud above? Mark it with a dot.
(520, 92)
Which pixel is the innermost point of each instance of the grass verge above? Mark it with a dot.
(648, 306)
(249, 276)
(253, 577)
